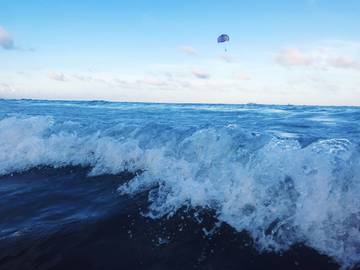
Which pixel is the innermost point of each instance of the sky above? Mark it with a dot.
(301, 52)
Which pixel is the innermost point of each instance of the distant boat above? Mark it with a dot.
(251, 103)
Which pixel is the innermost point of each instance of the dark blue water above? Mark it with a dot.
(104, 185)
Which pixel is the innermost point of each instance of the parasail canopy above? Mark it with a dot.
(223, 38)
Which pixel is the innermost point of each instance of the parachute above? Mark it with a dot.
(223, 38)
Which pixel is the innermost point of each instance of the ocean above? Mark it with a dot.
(108, 185)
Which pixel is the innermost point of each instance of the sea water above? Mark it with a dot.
(106, 185)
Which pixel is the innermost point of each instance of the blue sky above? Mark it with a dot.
(304, 52)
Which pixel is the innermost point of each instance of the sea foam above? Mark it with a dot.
(281, 190)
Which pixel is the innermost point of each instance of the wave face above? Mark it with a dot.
(285, 174)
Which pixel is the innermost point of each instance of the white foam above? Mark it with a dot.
(279, 192)
(31, 142)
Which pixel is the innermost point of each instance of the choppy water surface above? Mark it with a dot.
(106, 185)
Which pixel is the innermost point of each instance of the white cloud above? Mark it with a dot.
(182, 74)
(24, 74)
(82, 78)
(56, 76)
(168, 74)
(153, 81)
(202, 74)
(344, 61)
(131, 86)
(189, 50)
(241, 75)
(185, 84)
(91, 79)
(126, 85)
(321, 58)
(224, 55)
(293, 81)
(5, 84)
(316, 78)
(292, 57)
(314, 82)
(6, 88)
(6, 42)
(322, 84)
(101, 80)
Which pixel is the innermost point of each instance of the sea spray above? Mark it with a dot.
(286, 175)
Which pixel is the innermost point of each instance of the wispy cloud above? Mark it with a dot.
(24, 74)
(6, 41)
(292, 57)
(322, 84)
(82, 78)
(91, 79)
(344, 61)
(182, 74)
(292, 81)
(127, 85)
(189, 50)
(202, 74)
(153, 81)
(241, 75)
(56, 76)
(225, 56)
(6, 88)
(318, 59)
(186, 84)
(314, 82)
(168, 74)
